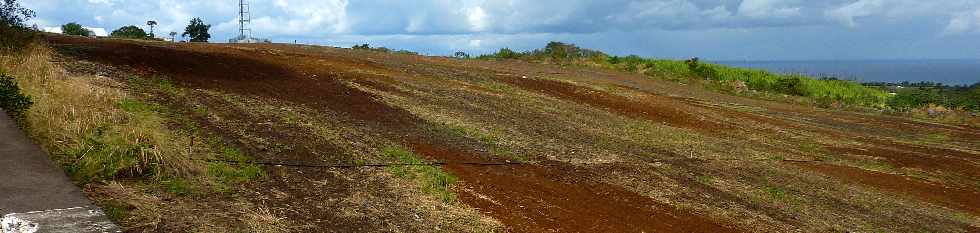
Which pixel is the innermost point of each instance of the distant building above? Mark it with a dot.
(99, 32)
(240, 39)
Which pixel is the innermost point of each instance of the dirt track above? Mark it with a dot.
(571, 191)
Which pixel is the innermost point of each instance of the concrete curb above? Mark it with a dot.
(35, 193)
(84, 219)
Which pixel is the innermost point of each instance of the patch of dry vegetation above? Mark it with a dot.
(399, 198)
(116, 144)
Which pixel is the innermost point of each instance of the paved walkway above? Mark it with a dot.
(35, 194)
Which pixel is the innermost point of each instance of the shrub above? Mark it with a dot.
(701, 70)
(506, 53)
(363, 46)
(12, 100)
(131, 32)
(13, 34)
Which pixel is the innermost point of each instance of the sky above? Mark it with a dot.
(710, 29)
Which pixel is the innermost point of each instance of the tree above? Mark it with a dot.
(461, 54)
(363, 46)
(131, 31)
(13, 33)
(173, 36)
(151, 23)
(13, 15)
(197, 30)
(74, 29)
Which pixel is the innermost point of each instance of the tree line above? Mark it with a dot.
(196, 31)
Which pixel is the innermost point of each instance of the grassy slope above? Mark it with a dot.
(136, 145)
(127, 152)
(743, 175)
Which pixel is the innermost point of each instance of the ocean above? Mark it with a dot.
(950, 72)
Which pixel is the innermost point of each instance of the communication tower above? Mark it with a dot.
(244, 19)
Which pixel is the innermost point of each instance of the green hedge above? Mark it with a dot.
(12, 100)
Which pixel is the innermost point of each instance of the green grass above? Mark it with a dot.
(116, 211)
(227, 175)
(776, 193)
(935, 138)
(811, 148)
(431, 179)
(822, 92)
(705, 179)
(177, 186)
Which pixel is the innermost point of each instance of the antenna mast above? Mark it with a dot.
(244, 18)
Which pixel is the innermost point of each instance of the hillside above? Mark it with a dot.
(354, 140)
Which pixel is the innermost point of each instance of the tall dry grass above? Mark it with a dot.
(81, 121)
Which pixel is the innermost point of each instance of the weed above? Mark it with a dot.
(177, 186)
(226, 175)
(201, 110)
(116, 211)
(777, 193)
(138, 107)
(705, 179)
(233, 154)
(809, 147)
(502, 88)
(431, 179)
(935, 138)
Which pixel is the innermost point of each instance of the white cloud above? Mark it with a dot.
(759, 9)
(301, 18)
(963, 23)
(106, 2)
(845, 14)
(477, 19)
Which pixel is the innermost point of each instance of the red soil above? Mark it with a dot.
(553, 197)
(963, 199)
(658, 110)
(934, 162)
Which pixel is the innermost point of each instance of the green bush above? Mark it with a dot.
(12, 100)
(75, 29)
(824, 92)
(506, 53)
(131, 32)
(966, 98)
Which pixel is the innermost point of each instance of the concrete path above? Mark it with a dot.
(35, 194)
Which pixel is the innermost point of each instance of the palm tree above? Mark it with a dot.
(173, 36)
(151, 23)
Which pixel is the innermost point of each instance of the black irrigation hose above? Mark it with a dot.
(437, 163)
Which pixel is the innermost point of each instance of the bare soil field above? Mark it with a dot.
(543, 148)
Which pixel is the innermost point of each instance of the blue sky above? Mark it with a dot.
(712, 29)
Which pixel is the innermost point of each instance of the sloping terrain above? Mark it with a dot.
(540, 148)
